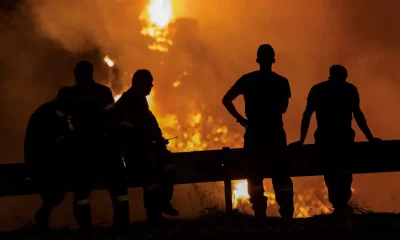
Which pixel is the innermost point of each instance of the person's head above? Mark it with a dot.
(142, 82)
(83, 72)
(265, 55)
(337, 73)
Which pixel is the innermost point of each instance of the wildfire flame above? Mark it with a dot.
(156, 18)
(240, 193)
(108, 60)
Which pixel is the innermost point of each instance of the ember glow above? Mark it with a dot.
(156, 18)
(108, 60)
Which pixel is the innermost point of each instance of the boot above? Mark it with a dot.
(42, 218)
(260, 208)
(121, 214)
(83, 216)
(155, 217)
(152, 204)
(343, 216)
(286, 213)
(168, 209)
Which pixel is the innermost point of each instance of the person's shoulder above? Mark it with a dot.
(350, 86)
(101, 87)
(250, 74)
(279, 77)
(320, 85)
(46, 106)
(43, 110)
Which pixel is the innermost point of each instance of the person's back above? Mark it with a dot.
(263, 94)
(40, 135)
(334, 105)
(88, 108)
(335, 102)
(45, 153)
(45, 131)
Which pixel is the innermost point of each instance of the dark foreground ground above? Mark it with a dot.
(237, 226)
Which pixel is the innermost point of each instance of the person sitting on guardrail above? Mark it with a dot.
(95, 157)
(145, 148)
(335, 102)
(45, 153)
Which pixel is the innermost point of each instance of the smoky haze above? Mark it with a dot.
(41, 41)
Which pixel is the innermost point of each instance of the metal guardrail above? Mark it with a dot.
(228, 164)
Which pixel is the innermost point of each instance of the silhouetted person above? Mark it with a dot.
(145, 148)
(266, 95)
(94, 154)
(335, 101)
(46, 154)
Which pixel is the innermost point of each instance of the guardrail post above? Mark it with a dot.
(227, 187)
(228, 196)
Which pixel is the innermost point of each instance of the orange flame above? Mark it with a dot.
(156, 17)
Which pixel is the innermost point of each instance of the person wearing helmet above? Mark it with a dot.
(145, 148)
(335, 102)
(266, 96)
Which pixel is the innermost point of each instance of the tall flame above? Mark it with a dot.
(156, 18)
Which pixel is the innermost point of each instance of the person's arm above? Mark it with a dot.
(360, 118)
(305, 122)
(228, 99)
(308, 112)
(287, 93)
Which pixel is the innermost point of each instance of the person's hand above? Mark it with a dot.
(242, 121)
(165, 141)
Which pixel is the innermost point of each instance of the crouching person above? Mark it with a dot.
(45, 154)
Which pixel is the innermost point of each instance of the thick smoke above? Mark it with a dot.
(41, 41)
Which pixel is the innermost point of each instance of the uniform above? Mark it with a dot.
(265, 138)
(94, 155)
(45, 153)
(145, 152)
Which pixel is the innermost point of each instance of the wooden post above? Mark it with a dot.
(228, 195)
